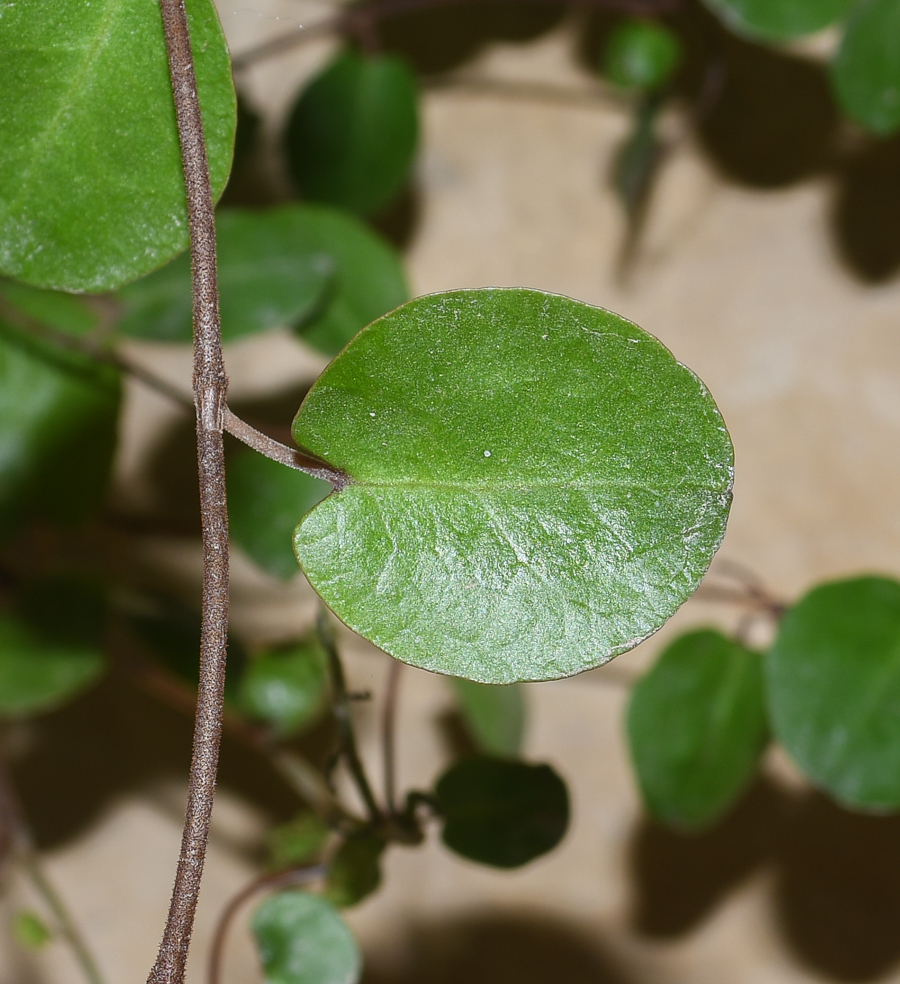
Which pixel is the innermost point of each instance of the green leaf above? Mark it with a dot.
(65, 312)
(778, 20)
(355, 870)
(297, 842)
(866, 72)
(352, 134)
(494, 716)
(38, 673)
(536, 484)
(58, 429)
(369, 279)
(697, 727)
(833, 680)
(91, 187)
(264, 500)
(303, 940)
(641, 54)
(287, 688)
(30, 930)
(502, 813)
(269, 277)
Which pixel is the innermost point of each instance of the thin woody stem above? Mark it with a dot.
(210, 395)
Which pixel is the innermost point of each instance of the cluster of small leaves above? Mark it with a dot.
(828, 690)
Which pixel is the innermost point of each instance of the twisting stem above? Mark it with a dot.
(388, 729)
(210, 394)
(343, 717)
(18, 839)
(279, 879)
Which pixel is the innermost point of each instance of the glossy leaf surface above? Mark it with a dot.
(264, 501)
(269, 277)
(697, 727)
(778, 20)
(303, 940)
(866, 71)
(494, 716)
(352, 135)
(287, 688)
(833, 678)
(355, 871)
(502, 813)
(91, 187)
(641, 54)
(368, 281)
(58, 425)
(536, 484)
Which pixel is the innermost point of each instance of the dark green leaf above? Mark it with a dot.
(65, 312)
(303, 940)
(264, 500)
(58, 428)
(368, 283)
(778, 20)
(537, 484)
(641, 54)
(833, 679)
(91, 186)
(36, 673)
(866, 71)
(297, 842)
(268, 278)
(697, 727)
(494, 716)
(352, 134)
(288, 688)
(502, 813)
(355, 871)
(30, 930)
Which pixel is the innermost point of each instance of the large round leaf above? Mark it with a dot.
(91, 188)
(779, 20)
(500, 812)
(866, 71)
(833, 678)
(536, 484)
(697, 727)
(352, 135)
(302, 940)
(269, 277)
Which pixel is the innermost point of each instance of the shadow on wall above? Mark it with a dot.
(836, 878)
(500, 949)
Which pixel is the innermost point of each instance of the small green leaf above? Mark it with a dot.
(833, 679)
(297, 842)
(536, 484)
(369, 279)
(641, 54)
(268, 278)
(91, 185)
(30, 930)
(697, 727)
(502, 813)
(352, 134)
(288, 688)
(778, 20)
(264, 500)
(494, 716)
(37, 673)
(303, 940)
(866, 72)
(65, 312)
(58, 429)
(355, 871)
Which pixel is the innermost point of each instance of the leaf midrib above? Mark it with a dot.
(529, 486)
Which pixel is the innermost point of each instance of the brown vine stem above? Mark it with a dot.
(210, 394)
(278, 879)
